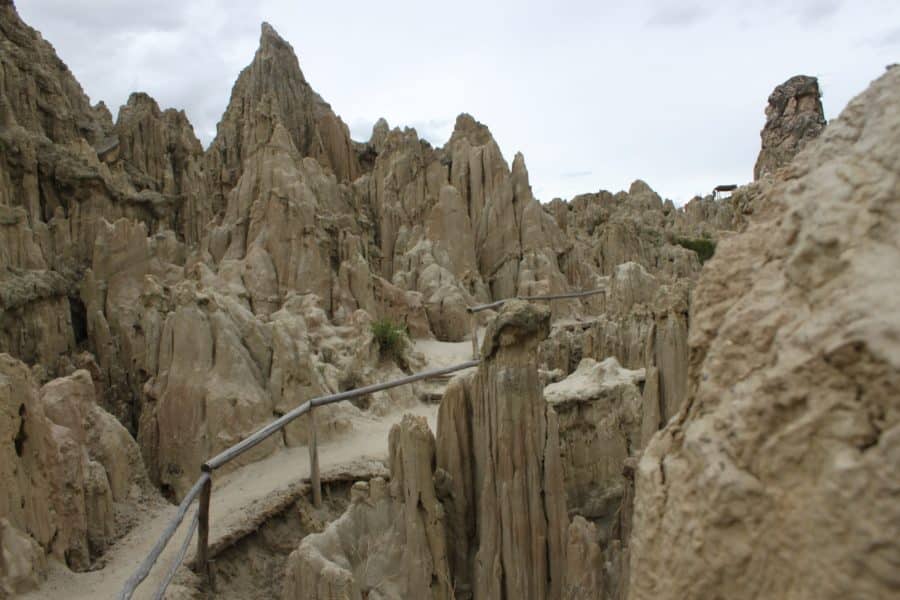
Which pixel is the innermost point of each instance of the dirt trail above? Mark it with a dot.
(235, 493)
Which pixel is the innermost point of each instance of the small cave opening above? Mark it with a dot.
(79, 319)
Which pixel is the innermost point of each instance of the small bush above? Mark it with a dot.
(704, 247)
(391, 338)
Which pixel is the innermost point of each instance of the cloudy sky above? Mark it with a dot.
(595, 93)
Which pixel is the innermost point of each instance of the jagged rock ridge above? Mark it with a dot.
(207, 292)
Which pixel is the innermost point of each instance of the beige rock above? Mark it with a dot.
(794, 116)
(391, 542)
(498, 445)
(69, 472)
(777, 476)
(210, 392)
(160, 152)
(274, 79)
(599, 413)
(584, 566)
(599, 409)
(22, 562)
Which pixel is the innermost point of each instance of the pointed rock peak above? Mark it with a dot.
(381, 125)
(468, 128)
(273, 47)
(519, 163)
(274, 86)
(520, 178)
(794, 116)
(266, 30)
(269, 37)
(380, 132)
(139, 100)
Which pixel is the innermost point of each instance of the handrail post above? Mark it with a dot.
(203, 531)
(314, 479)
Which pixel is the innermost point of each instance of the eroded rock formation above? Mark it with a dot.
(499, 448)
(183, 298)
(794, 116)
(69, 470)
(391, 542)
(778, 478)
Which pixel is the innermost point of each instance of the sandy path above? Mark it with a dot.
(234, 493)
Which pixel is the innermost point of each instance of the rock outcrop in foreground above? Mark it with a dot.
(779, 477)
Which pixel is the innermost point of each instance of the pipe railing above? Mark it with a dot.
(481, 307)
(144, 568)
(203, 486)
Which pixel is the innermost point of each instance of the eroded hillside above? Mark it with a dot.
(160, 302)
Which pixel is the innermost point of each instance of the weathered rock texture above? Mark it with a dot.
(599, 413)
(218, 289)
(603, 420)
(499, 448)
(208, 292)
(68, 472)
(778, 477)
(794, 116)
(479, 514)
(391, 542)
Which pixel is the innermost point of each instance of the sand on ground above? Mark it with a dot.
(233, 494)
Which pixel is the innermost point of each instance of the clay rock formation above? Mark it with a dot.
(499, 448)
(390, 543)
(208, 292)
(778, 477)
(794, 116)
(644, 325)
(598, 408)
(69, 472)
(274, 85)
(600, 412)
(481, 513)
(159, 152)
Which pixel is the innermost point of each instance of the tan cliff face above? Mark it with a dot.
(778, 477)
(161, 302)
(69, 470)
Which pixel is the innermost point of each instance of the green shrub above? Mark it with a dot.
(704, 247)
(391, 338)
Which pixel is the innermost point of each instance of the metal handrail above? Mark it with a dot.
(179, 558)
(203, 485)
(144, 568)
(247, 443)
(480, 307)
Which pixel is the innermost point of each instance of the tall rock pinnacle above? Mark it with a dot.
(793, 117)
(273, 89)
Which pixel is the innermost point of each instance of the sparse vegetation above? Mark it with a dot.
(391, 338)
(704, 247)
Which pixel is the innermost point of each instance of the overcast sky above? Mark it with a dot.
(595, 93)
